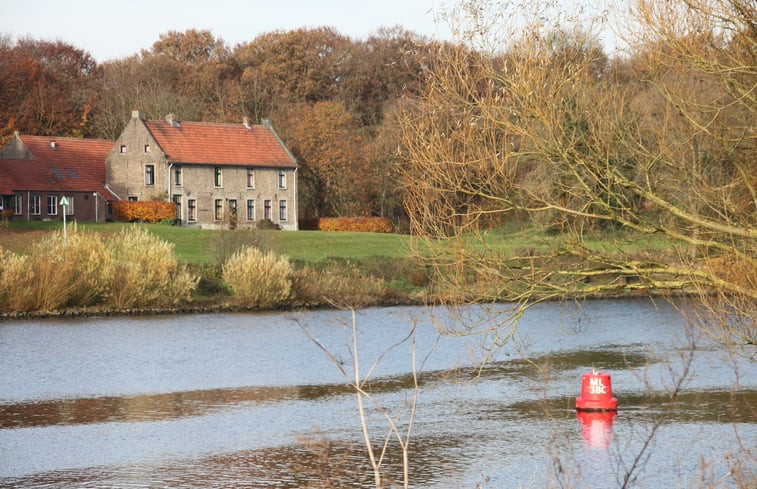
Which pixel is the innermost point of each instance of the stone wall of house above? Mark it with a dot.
(125, 165)
(198, 184)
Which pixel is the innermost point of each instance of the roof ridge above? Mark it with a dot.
(226, 124)
(68, 138)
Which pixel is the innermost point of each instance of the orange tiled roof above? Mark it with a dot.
(73, 164)
(220, 144)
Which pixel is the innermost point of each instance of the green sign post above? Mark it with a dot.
(64, 204)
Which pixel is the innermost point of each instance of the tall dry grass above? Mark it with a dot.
(54, 274)
(131, 269)
(344, 286)
(258, 279)
(143, 271)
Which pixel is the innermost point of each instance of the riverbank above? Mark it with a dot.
(330, 270)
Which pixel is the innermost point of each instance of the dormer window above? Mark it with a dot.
(123, 149)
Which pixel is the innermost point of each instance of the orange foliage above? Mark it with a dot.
(144, 211)
(354, 224)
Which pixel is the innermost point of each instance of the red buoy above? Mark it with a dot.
(596, 393)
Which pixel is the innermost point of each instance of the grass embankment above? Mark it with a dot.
(331, 267)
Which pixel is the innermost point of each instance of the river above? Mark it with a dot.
(249, 400)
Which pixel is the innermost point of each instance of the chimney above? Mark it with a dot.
(172, 119)
(137, 114)
(246, 123)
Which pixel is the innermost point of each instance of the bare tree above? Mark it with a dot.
(528, 121)
(400, 423)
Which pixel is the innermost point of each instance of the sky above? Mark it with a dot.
(112, 30)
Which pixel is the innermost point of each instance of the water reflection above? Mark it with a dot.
(596, 427)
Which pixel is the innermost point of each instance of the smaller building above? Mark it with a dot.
(216, 174)
(36, 172)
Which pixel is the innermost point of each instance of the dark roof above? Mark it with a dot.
(220, 144)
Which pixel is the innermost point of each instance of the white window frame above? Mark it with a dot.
(35, 205)
(217, 177)
(52, 205)
(250, 178)
(218, 210)
(282, 178)
(18, 205)
(191, 210)
(70, 206)
(178, 176)
(282, 210)
(250, 209)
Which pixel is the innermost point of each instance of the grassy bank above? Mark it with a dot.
(331, 267)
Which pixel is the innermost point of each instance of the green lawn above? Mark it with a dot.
(198, 246)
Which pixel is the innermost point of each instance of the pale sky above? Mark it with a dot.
(110, 30)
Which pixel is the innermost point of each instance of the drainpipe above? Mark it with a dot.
(296, 216)
(168, 181)
(28, 205)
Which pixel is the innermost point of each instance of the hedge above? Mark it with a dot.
(143, 211)
(354, 224)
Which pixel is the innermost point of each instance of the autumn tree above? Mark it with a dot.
(521, 123)
(46, 88)
(334, 176)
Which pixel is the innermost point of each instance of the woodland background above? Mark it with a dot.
(333, 99)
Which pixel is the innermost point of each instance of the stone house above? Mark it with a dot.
(36, 172)
(217, 174)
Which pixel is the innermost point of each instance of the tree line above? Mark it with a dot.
(326, 93)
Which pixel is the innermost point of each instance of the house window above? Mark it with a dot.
(191, 210)
(147, 148)
(149, 174)
(282, 179)
(177, 200)
(18, 207)
(219, 210)
(250, 178)
(52, 205)
(217, 177)
(282, 210)
(123, 149)
(70, 207)
(1, 203)
(133, 198)
(267, 210)
(177, 175)
(35, 205)
(250, 210)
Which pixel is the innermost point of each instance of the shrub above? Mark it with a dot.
(144, 271)
(258, 279)
(354, 224)
(144, 211)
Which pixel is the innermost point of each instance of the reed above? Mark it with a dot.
(258, 279)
